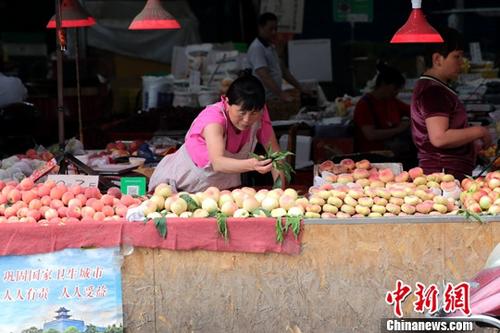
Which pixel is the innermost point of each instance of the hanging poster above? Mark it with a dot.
(353, 10)
(69, 291)
(290, 13)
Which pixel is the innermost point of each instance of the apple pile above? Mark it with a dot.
(482, 195)
(51, 203)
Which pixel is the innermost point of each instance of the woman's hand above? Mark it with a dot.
(263, 166)
(486, 138)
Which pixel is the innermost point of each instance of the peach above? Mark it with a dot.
(66, 197)
(365, 201)
(22, 212)
(82, 198)
(494, 210)
(107, 199)
(108, 210)
(393, 209)
(447, 178)
(114, 192)
(56, 192)
(422, 180)
(345, 178)
(99, 216)
(335, 201)
(43, 190)
(342, 215)
(87, 212)
(383, 193)
(379, 209)
(50, 213)
(389, 215)
(375, 214)
(440, 208)
(360, 174)
(14, 195)
(26, 184)
(440, 200)
(2, 184)
(75, 202)
(363, 164)
(34, 213)
(28, 196)
(121, 210)
(3, 199)
(403, 177)
(327, 215)
(313, 208)
(347, 209)
(92, 192)
(380, 201)
(127, 200)
(74, 211)
(97, 205)
(55, 220)
(285, 201)
(356, 194)
(62, 211)
(386, 175)
(10, 211)
(325, 194)
(13, 219)
(330, 209)
(416, 172)
(338, 194)
(56, 204)
(348, 164)
(408, 209)
(412, 200)
(71, 220)
(348, 200)
(396, 201)
(423, 208)
(326, 166)
(363, 210)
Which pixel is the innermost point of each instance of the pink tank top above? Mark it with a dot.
(235, 139)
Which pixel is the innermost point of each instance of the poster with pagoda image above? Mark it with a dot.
(69, 291)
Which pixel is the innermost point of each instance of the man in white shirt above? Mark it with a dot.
(266, 65)
(12, 90)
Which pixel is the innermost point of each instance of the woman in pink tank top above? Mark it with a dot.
(440, 129)
(217, 146)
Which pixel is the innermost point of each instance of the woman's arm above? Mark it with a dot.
(214, 137)
(441, 136)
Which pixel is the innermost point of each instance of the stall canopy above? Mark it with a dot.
(111, 31)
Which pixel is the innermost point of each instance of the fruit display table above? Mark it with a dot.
(337, 283)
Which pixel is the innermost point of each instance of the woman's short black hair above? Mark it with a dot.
(389, 75)
(248, 92)
(453, 41)
(266, 17)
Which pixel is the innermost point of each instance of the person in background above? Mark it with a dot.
(265, 62)
(12, 90)
(379, 116)
(217, 146)
(439, 125)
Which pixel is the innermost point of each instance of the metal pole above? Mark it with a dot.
(59, 67)
(78, 89)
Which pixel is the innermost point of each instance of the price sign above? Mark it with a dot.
(82, 180)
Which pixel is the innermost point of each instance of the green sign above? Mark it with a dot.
(353, 10)
(133, 185)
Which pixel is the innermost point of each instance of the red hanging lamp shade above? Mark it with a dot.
(153, 16)
(73, 15)
(417, 29)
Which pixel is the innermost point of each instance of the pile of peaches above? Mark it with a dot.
(49, 202)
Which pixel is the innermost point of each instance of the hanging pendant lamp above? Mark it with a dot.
(73, 15)
(153, 16)
(417, 29)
